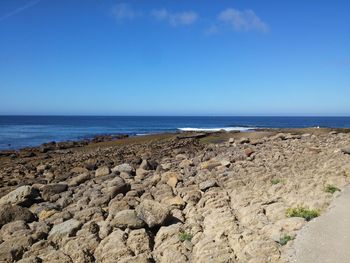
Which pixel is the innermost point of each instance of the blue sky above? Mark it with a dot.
(203, 57)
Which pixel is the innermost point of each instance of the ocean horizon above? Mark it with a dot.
(29, 131)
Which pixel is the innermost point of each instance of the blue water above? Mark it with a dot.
(22, 131)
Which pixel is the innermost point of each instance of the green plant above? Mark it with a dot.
(303, 212)
(285, 239)
(276, 181)
(331, 189)
(185, 236)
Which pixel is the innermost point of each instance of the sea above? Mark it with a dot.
(22, 131)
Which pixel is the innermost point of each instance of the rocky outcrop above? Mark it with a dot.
(174, 200)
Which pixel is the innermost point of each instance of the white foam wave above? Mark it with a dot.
(215, 129)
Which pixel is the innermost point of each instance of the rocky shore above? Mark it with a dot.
(171, 198)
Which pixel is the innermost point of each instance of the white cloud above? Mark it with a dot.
(175, 19)
(245, 20)
(124, 11)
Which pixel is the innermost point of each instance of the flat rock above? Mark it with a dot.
(152, 212)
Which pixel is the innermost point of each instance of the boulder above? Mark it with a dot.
(52, 189)
(152, 212)
(66, 229)
(346, 150)
(207, 184)
(79, 179)
(127, 219)
(102, 171)
(112, 248)
(10, 213)
(123, 168)
(23, 196)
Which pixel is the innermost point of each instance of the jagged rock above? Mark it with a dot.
(10, 213)
(23, 195)
(102, 171)
(127, 218)
(152, 212)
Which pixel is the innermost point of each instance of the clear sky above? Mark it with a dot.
(182, 57)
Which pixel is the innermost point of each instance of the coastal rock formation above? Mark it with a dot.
(179, 198)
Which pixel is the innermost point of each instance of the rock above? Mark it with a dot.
(346, 150)
(124, 168)
(12, 229)
(79, 179)
(176, 201)
(41, 168)
(152, 212)
(244, 140)
(167, 175)
(102, 171)
(185, 163)
(31, 259)
(66, 229)
(112, 248)
(172, 182)
(248, 152)
(139, 242)
(49, 190)
(81, 249)
(207, 184)
(168, 248)
(23, 196)
(211, 164)
(144, 165)
(225, 163)
(10, 213)
(291, 224)
(55, 256)
(127, 218)
(117, 186)
(79, 170)
(231, 140)
(12, 250)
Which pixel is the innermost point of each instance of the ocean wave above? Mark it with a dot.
(216, 129)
